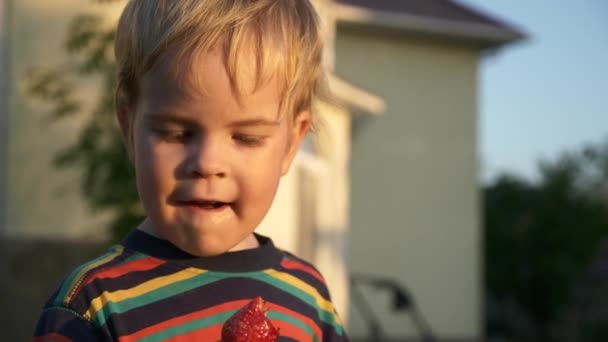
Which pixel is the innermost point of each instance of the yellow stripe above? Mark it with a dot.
(322, 303)
(79, 278)
(141, 289)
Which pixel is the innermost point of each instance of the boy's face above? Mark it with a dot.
(208, 165)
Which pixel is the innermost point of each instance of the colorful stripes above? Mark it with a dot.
(164, 287)
(71, 284)
(307, 293)
(205, 318)
(297, 288)
(135, 263)
(293, 324)
(148, 292)
(129, 296)
(296, 265)
(207, 324)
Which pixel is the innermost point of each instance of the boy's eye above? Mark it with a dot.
(248, 140)
(174, 135)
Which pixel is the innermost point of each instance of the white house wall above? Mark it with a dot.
(331, 231)
(334, 202)
(41, 200)
(414, 210)
(279, 222)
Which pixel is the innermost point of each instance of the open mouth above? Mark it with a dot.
(207, 204)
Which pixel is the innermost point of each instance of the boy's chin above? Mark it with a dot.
(213, 247)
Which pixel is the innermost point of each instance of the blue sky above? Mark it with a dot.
(548, 94)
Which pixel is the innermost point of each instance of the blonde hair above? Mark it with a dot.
(284, 35)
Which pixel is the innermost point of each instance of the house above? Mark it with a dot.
(386, 188)
(415, 203)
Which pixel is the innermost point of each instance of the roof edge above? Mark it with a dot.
(492, 35)
(354, 97)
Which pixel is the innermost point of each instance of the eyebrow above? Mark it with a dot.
(165, 117)
(254, 122)
(250, 122)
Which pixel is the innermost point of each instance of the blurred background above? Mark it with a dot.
(456, 191)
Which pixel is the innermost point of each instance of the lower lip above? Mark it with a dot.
(208, 214)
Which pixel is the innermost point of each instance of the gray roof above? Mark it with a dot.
(439, 16)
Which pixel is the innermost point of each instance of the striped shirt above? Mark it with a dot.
(146, 289)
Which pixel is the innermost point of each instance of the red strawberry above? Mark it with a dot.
(250, 324)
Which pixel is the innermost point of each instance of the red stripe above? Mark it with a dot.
(295, 265)
(214, 333)
(133, 266)
(304, 319)
(237, 304)
(52, 337)
(287, 329)
(209, 334)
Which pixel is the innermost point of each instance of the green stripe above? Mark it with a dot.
(76, 275)
(154, 296)
(190, 326)
(279, 316)
(133, 257)
(325, 316)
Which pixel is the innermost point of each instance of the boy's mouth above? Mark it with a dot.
(206, 204)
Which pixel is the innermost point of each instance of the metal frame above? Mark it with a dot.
(402, 301)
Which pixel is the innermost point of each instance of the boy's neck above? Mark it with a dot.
(249, 242)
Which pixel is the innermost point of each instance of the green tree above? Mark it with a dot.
(540, 237)
(108, 181)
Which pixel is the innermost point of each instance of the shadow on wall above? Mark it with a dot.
(30, 271)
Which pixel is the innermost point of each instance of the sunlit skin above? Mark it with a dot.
(208, 163)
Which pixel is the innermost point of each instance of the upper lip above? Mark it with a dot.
(200, 201)
(190, 197)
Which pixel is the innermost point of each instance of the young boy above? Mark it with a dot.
(214, 98)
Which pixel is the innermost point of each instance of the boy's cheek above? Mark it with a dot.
(150, 161)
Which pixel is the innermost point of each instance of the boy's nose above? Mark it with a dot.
(207, 159)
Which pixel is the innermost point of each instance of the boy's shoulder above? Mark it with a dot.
(304, 271)
(88, 282)
(294, 263)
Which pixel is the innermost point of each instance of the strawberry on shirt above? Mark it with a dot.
(250, 324)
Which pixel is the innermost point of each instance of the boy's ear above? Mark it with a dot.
(299, 129)
(125, 122)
